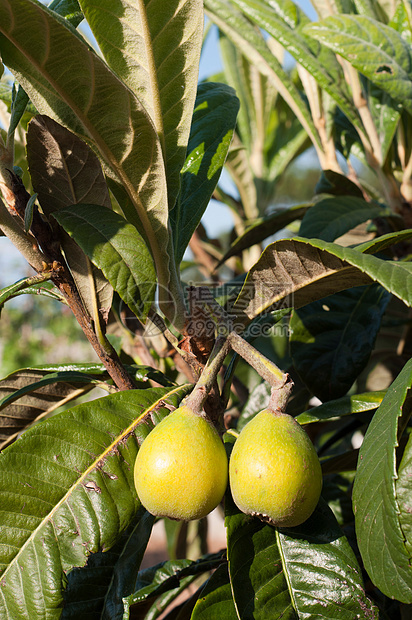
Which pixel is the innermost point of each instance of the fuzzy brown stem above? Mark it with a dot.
(207, 379)
(106, 354)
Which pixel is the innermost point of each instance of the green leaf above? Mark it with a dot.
(275, 573)
(115, 247)
(325, 580)
(331, 218)
(27, 286)
(385, 241)
(332, 339)
(378, 517)
(320, 63)
(65, 171)
(96, 106)
(374, 49)
(215, 600)
(295, 272)
(22, 286)
(154, 48)
(259, 585)
(347, 405)
(165, 577)
(386, 114)
(244, 35)
(265, 226)
(67, 491)
(214, 119)
(403, 495)
(20, 100)
(99, 587)
(69, 9)
(332, 182)
(31, 393)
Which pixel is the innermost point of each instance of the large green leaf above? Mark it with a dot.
(244, 35)
(28, 394)
(259, 585)
(115, 247)
(320, 63)
(213, 123)
(97, 589)
(374, 49)
(325, 580)
(67, 491)
(330, 218)
(332, 339)
(65, 171)
(215, 600)
(154, 48)
(90, 100)
(295, 272)
(288, 573)
(404, 496)
(378, 515)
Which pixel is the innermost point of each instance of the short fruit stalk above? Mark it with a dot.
(274, 470)
(181, 469)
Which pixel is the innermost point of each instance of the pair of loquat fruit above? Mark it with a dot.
(181, 470)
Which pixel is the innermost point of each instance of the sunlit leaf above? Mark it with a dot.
(69, 9)
(347, 405)
(244, 35)
(115, 247)
(378, 517)
(31, 393)
(374, 49)
(34, 44)
(286, 573)
(67, 491)
(295, 272)
(154, 47)
(319, 63)
(213, 123)
(331, 218)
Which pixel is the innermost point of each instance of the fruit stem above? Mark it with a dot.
(266, 369)
(197, 398)
(280, 396)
